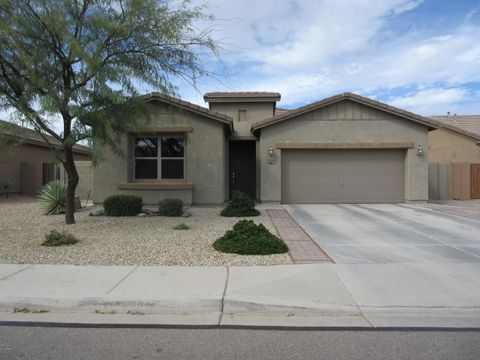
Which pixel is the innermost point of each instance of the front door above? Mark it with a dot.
(242, 167)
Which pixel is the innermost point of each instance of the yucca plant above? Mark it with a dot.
(53, 197)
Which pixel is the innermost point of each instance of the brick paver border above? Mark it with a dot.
(301, 247)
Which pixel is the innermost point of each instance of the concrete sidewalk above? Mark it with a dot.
(353, 295)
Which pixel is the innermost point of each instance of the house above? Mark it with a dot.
(456, 141)
(342, 149)
(455, 147)
(30, 164)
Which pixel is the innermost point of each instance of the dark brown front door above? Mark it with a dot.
(242, 161)
(475, 181)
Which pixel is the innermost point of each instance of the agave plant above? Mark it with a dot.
(53, 197)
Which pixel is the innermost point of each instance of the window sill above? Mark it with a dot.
(156, 185)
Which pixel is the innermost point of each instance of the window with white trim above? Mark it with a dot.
(160, 157)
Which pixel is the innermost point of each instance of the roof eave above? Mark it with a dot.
(240, 99)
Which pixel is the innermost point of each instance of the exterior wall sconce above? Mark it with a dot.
(271, 152)
(271, 155)
(419, 150)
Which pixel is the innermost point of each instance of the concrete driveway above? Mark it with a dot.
(389, 233)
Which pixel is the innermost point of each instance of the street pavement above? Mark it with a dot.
(42, 343)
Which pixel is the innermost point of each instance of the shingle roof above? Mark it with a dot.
(191, 107)
(465, 124)
(280, 111)
(32, 137)
(243, 95)
(431, 123)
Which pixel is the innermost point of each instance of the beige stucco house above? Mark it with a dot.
(456, 141)
(455, 147)
(30, 164)
(343, 149)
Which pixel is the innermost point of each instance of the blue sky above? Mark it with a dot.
(423, 56)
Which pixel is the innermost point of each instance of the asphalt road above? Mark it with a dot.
(389, 233)
(41, 343)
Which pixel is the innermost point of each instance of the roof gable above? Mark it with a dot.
(432, 124)
(155, 96)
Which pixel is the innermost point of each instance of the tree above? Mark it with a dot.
(80, 62)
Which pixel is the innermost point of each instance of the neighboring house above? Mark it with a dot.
(457, 142)
(29, 164)
(343, 149)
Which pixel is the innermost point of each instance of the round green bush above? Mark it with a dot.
(240, 205)
(122, 205)
(248, 238)
(55, 238)
(170, 207)
(53, 197)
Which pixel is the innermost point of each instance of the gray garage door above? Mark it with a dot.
(342, 176)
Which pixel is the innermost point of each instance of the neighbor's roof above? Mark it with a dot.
(280, 111)
(190, 107)
(33, 138)
(465, 124)
(431, 123)
(250, 96)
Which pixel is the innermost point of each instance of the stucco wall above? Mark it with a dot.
(85, 182)
(349, 122)
(11, 160)
(255, 112)
(449, 146)
(205, 161)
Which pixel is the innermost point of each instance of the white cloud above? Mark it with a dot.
(311, 49)
(432, 101)
(282, 34)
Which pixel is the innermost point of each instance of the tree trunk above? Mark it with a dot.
(72, 181)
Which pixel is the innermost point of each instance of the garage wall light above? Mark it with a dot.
(419, 150)
(270, 151)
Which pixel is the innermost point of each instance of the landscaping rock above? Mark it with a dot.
(142, 214)
(186, 214)
(97, 212)
(149, 212)
(129, 240)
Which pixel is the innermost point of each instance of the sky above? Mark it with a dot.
(419, 55)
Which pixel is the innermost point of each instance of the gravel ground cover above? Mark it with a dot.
(468, 208)
(121, 241)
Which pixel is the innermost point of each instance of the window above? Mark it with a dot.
(160, 157)
(242, 115)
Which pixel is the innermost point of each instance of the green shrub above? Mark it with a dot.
(248, 238)
(122, 205)
(170, 207)
(55, 238)
(53, 197)
(181, 226)
(240, 205)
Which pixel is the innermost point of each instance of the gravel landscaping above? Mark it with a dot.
(467, 208)
(121, 240)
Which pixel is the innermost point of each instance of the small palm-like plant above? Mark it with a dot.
(53, 197)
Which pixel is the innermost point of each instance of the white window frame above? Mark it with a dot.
(159, 156)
